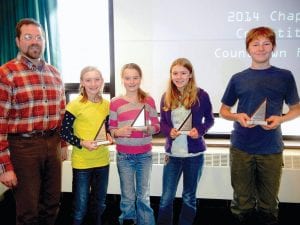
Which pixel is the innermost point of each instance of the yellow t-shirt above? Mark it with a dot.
(89, 117)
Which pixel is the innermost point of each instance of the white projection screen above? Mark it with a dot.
(211, 33)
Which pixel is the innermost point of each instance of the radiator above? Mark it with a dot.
(215, 180)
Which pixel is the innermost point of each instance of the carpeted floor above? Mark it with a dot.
(210, 212)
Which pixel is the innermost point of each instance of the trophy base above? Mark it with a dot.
(98, 143)
(257, 122)
(141, 128)
(184, 132)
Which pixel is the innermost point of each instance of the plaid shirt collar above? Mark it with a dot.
(24, 60)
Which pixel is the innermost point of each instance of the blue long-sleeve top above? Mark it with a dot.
(202, 120)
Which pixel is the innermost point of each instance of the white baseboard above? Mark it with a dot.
(215, 180)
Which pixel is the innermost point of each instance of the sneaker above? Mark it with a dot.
(267, 218)
(128, 222)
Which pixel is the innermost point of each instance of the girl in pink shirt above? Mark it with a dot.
(133, 144)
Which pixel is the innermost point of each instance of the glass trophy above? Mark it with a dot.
(139, 122)
(186, 125)
(101, 136)
(259, 116)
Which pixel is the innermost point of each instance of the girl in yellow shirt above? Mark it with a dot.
(90, 162)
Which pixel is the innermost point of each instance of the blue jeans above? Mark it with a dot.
(134, 172)
(89, 186)
(191, 168)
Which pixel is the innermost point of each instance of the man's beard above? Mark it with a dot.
(34, 52)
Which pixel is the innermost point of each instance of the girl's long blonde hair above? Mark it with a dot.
(173, 97)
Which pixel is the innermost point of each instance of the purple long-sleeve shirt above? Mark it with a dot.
(202, 120)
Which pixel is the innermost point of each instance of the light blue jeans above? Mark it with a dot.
(134, 172)
(191, 168)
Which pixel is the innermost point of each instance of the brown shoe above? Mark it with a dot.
(128, 222)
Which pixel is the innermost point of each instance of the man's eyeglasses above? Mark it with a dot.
(29, 37)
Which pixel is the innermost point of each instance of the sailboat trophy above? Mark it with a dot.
(186, 125)
(140, 122)
(101, 136)
(259, 116)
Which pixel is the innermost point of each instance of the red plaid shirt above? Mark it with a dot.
(31, 98)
